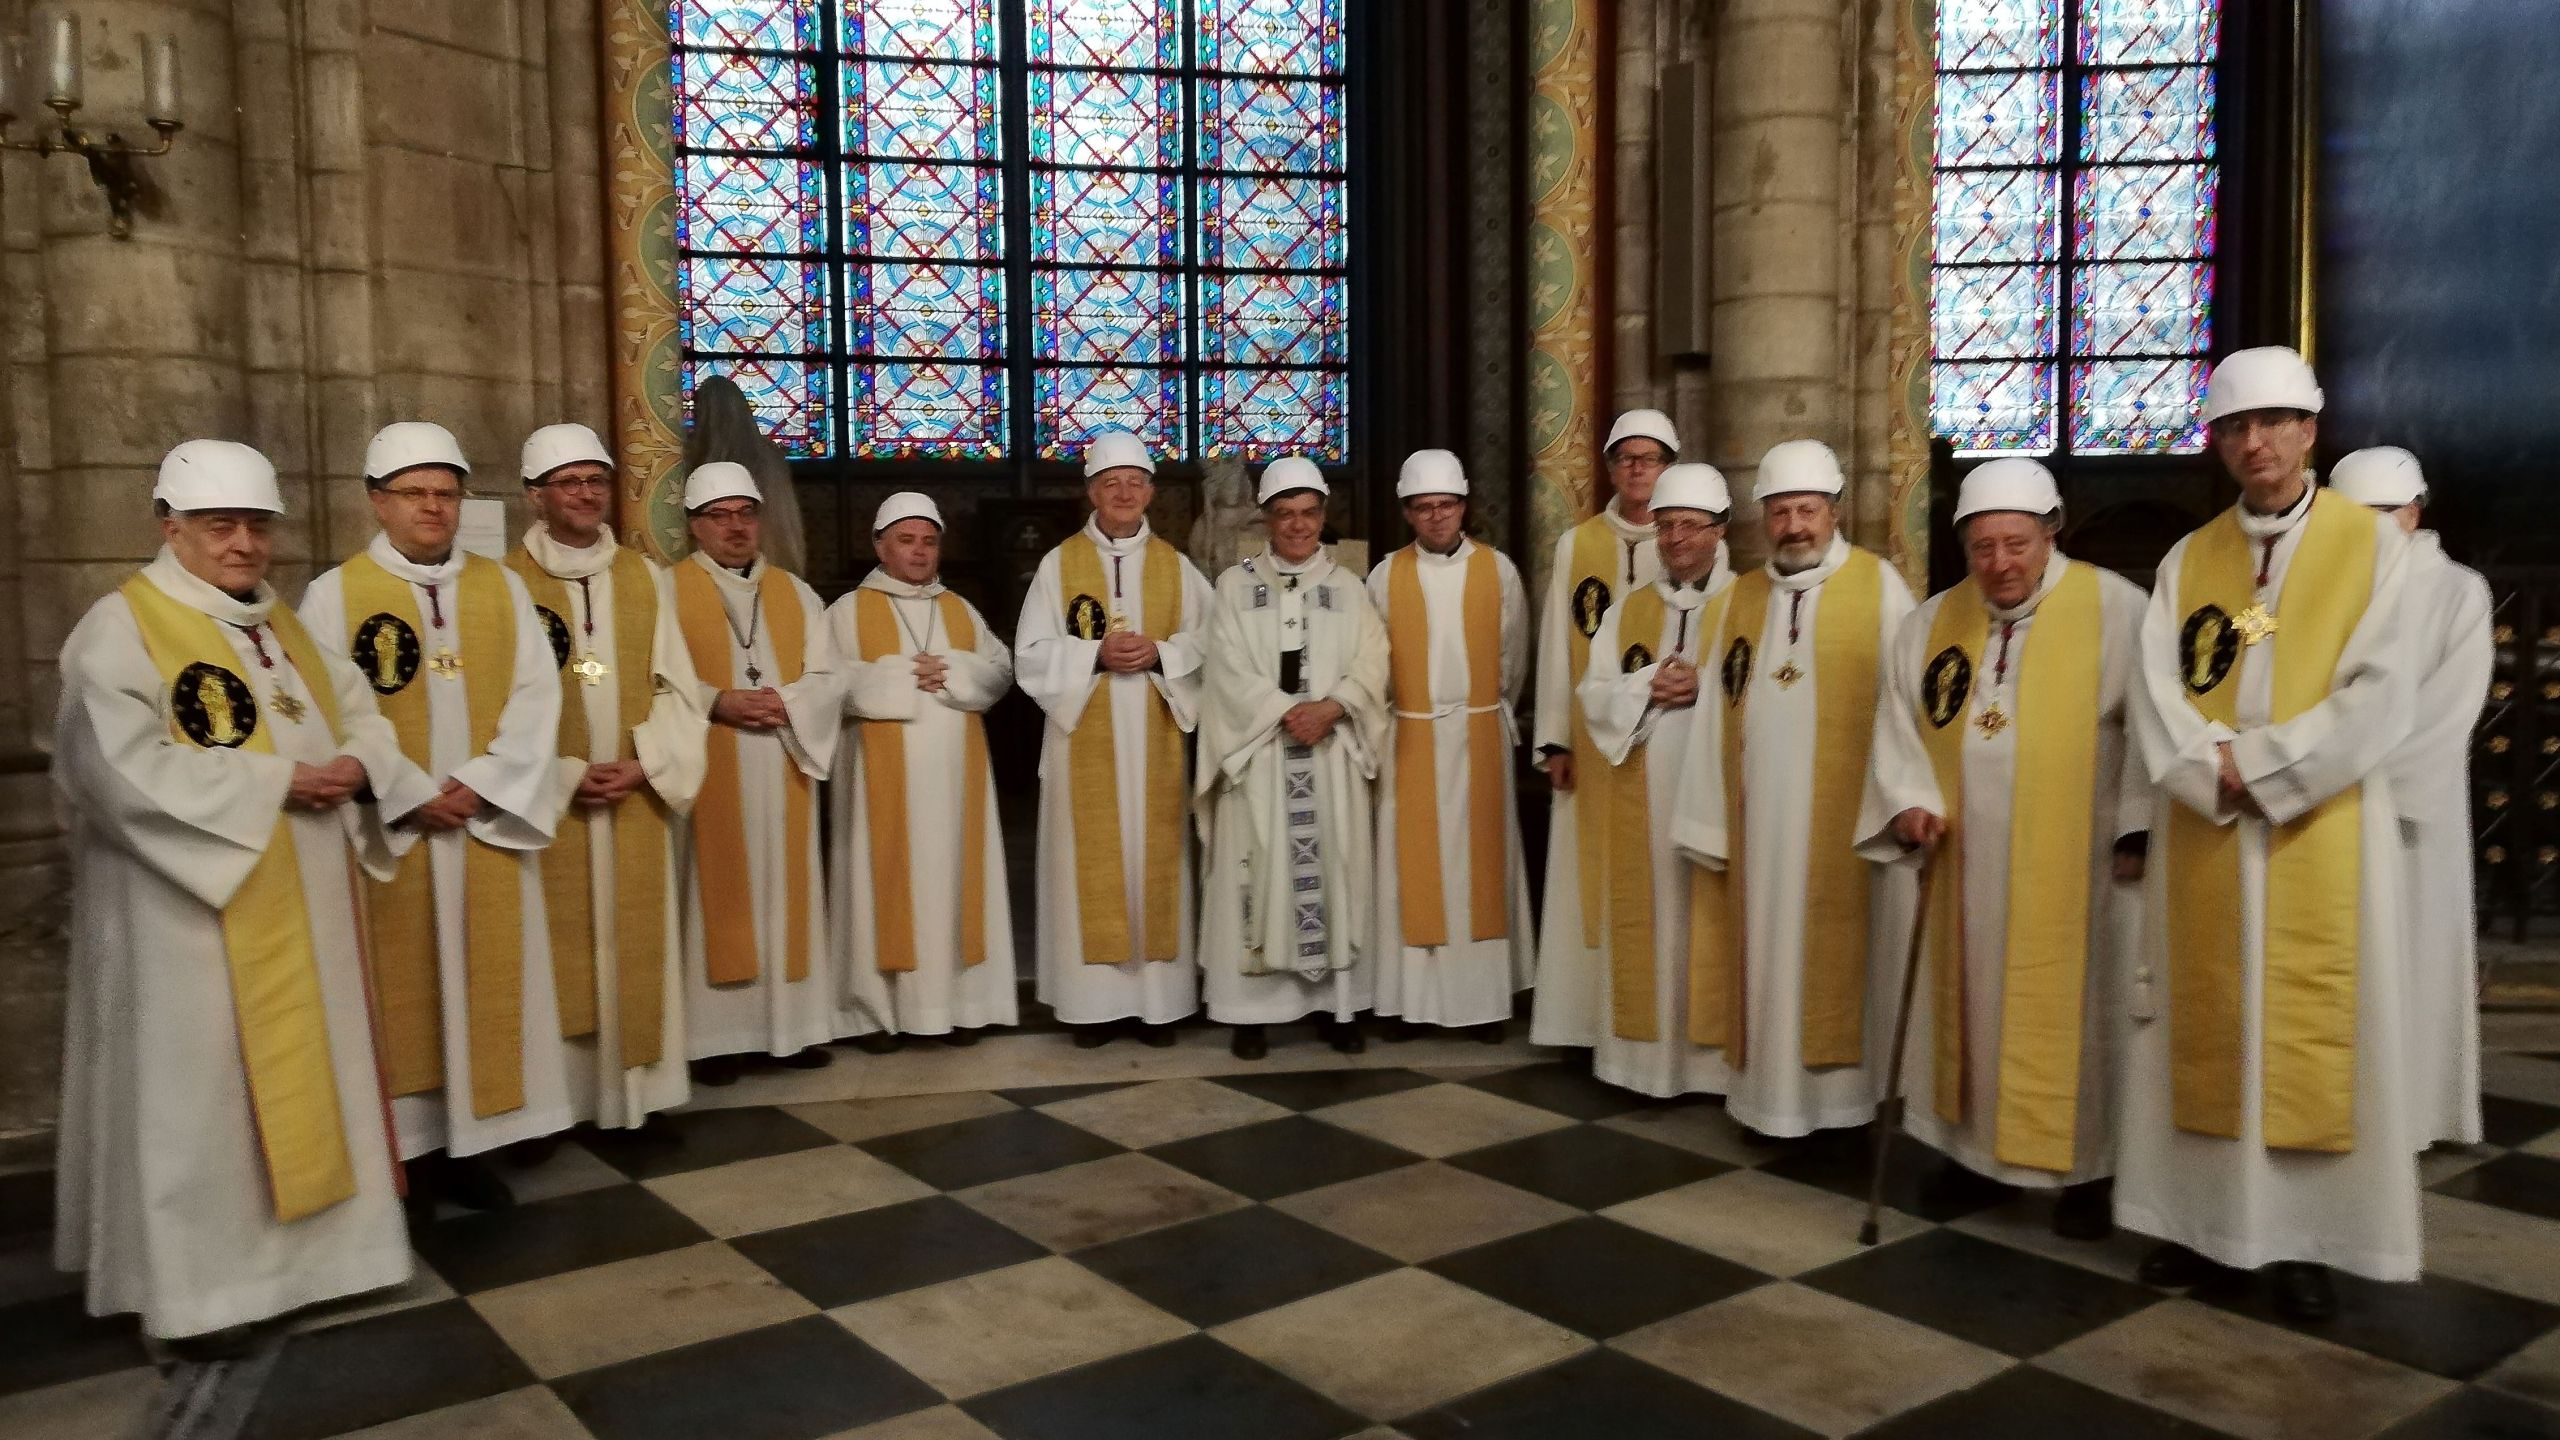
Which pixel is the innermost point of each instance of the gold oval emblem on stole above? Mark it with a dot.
(2206, 647)
(557, 630)
(214, 707)
(1737, 670)
(1085, 618)
(1590, 605)
(1946, 685)
(1636, 658)
(386, 650)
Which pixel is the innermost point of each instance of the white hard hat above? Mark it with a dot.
(553, 446)
(2010, 483)
(906, 505)
(1692, 486)
(1112, 449)
(2270, 377)
(719, 480)
(408, 444)
(1286, 474)
(2385, 477)
(217, 475)
(1651, 424)
(1431, 472)
(1794, 467)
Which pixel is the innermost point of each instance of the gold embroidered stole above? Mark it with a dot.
(1423, 908)
(1591, 587)
(884, 779)
(719, 811)
(1093, 766)
(1628, 840)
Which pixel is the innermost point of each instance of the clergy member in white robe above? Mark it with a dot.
(1641, 695)
(2000, 748)
(2266, 1116)
(763, 974)
(919, 876)
(1109, 648)
(629, 710)
(1806, 936)
(2448, 633)
(461, 665)
(1292, 722)
(224, 1156)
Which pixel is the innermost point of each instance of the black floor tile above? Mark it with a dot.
(26, 1202)
(1229, 1266)
(2530, 1183)
(2440, 1325)
(711, 1137)
(1051, 1094)
(1282, 1157)
(49, 1341)
(2473, 1414)
(1596, 1276)
(1918, 1180)
(2031, 1404)
(1565, 1089)
(1599, 1395)
(369, 1372)
(2508, 1123)
(552, 1237)
(1589, 1166)
(1315, 1089)
(795, 1381)
(1978, 1290)
(1193, 1387)
(871, 1253)
(989, 1148)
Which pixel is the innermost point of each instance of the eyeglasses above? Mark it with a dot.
(1638, 460)
(1433, 509)
(414, 496)
(1683, 529)
(571, 484)
(729, 516)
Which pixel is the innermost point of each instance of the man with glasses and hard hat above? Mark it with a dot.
(461, 947)
(2001, 746)
(2267, 1082)
(223, 1154)
(629, 713)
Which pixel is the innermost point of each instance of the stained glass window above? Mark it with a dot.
(2077, 183)
(1162, 245)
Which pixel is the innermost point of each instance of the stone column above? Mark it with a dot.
(1566, 44)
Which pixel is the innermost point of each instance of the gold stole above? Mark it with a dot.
(277, 1008)
(1628, 840)
(719, 811)
(2315, 865)
(1595, 563)
(884, 778)
(1424, 909)
(2047, 926)
(638, 823)
(407, 984)
(1093, 766)
(1845, 659)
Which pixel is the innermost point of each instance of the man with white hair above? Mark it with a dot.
(2001, 748)
(1783, 955)
(2448, 632)
(923, 920)
(1640, 697)
(223, 1153)
(1110, 651)
(2266, 1116)
(1454, 937)
(461, 666)
(1293, 719)
(761, 968)
(627, 712)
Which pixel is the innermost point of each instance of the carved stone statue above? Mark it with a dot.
(1230, 526)
(724, 428)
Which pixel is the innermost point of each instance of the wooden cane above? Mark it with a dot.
(1889, 1115)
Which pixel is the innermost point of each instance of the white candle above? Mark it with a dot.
(62, 86)
(160, 81)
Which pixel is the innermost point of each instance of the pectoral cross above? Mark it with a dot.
(755, 677)
(589, 669)
(2254, 624)
(446, 664)
(286, 705)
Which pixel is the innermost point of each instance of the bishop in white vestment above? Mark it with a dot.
(224, 1154)
(1109, 647)
(1292, 722)
(923, 919)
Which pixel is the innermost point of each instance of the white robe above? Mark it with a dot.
(668, 743)
(770, 1014)
(2235, 1200)
(1059, 672)
(1467, 981)
(524, 788)
(1773, 1092)
(1904, 779)
(1620, 711)
(940, 994)
(161, 1194)
(1241, 779)
(2448, 630)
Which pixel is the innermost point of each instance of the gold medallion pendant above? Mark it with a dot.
(287, 705)
(1787, 675)
(1992, 720)
(2254, 624)
(589, 669)
(445, 663)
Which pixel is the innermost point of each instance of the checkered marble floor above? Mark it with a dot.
(1495, 1252)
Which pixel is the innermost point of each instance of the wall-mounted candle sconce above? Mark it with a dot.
(111, 160)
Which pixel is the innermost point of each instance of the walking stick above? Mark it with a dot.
(1889, 1114)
